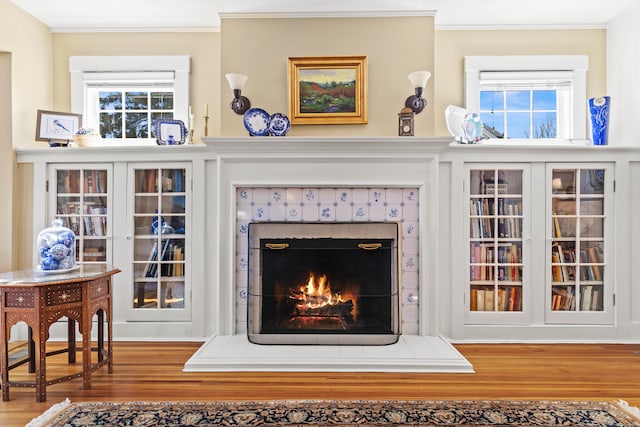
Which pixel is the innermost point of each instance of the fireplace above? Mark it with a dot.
(323, 283)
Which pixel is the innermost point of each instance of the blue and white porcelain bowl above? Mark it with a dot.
(279, 124)
(256, 121)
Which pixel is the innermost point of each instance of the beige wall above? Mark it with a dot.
(394, 47)
(29, 42)
(203, 47)
(25, 87)
(452, 46)
(7, 163)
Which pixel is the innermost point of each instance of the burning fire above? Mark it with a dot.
(315, 298)
(316, 295)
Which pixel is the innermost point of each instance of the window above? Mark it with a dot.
(122, 97)
(528, 97)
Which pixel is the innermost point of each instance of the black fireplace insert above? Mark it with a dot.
(323, 283)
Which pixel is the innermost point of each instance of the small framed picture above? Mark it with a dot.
(54, 125)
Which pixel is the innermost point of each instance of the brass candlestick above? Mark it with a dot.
(191, 132)
(206, 125)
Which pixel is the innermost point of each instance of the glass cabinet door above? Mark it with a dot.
(495, 251)
(577, 252)
(160, 248)
(82, 199)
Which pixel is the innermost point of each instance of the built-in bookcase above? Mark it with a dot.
(82, 198)
(496, 250)
(160, 198)
(577, 253)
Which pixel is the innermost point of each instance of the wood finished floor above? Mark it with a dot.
(153, 372)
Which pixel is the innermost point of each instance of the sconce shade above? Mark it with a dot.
(419, 78)
(236, 81)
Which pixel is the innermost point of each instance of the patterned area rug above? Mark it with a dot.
(338, 413)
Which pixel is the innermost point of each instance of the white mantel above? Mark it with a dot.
(325, 162)
(317, 163)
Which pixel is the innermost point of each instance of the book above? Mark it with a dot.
(489, 298)
(556, 227)
(480, 300)
(94, 254)
(585, 296)
(594, 259)
(473, 297)
(150, 177)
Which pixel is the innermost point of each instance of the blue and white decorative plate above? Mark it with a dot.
(170, 132)
(279, 124)
(256, 121)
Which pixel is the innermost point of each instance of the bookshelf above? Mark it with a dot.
(495, 254)
(577, 249)
(160, 197)
(81, 197)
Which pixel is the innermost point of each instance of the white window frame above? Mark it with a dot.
(571, 67)
(85, 69)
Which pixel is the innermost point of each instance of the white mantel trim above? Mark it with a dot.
(317, 162)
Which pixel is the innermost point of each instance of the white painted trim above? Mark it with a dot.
(322, 14)
(62, 30)
(129, 63)
(513, 27)
(180, 65)
(578, 64)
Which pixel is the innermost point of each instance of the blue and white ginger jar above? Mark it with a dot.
(56, 248)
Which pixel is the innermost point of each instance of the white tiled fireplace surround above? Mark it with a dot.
(326, 205)
(324, 180)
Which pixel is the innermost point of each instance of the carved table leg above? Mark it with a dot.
(71, 340)
(31, 350)
(4, 357)
(41, 368)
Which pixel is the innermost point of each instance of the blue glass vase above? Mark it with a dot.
(599, 113)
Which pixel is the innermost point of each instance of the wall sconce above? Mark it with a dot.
(418, 80)
(240, 104)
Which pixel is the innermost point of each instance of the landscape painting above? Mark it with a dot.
(327, 90)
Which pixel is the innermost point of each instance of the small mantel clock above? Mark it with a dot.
(405, 122)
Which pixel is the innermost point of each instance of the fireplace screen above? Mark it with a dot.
(316, 283)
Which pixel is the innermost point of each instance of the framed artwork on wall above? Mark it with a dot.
(328, 90)
(57, 126)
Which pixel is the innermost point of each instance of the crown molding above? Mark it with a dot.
(340, 14)
(135, 29)
(510, 27)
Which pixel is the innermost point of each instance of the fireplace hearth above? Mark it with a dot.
(323, 283)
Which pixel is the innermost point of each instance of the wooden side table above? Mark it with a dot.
(40, 300)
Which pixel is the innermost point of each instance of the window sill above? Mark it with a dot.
(534, 142)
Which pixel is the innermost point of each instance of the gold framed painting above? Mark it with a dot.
(328, 90)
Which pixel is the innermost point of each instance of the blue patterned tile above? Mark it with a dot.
(327, 212)
(377, 196)
(360, 212)
(294, 213)
(277, 196)
(410, 195)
